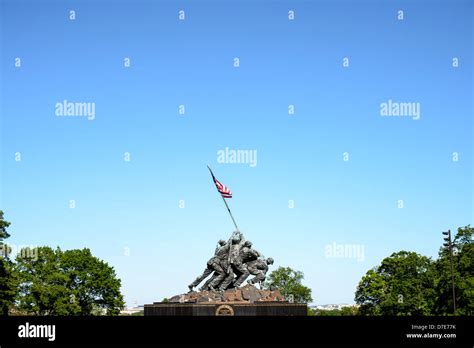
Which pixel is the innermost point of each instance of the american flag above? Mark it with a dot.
(223, 190)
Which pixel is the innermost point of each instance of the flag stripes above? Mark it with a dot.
(223, 190)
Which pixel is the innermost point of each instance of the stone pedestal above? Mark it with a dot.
(226, 309)
(246, 301)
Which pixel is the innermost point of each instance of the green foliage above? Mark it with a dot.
(348, 311)
(463, 261)
(8, 279)
(410, 284)
(328, 312)
(44, 281)
(43, 287)
(8, 285)
(72, 282)
(288, 282)
(3, 227)
(401, 285)
(93, 282)
(344, 311)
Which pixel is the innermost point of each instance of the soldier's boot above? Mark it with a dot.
(194, 283)
(199, 279)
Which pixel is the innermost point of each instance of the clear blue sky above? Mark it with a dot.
(135, 204)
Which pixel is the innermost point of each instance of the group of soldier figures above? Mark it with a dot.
(233, 262)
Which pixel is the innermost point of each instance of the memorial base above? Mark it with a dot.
(226, 309)
(245, 301)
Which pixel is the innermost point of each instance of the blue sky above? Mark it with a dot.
(134, 206)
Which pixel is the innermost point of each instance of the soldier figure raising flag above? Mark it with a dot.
(229, 265)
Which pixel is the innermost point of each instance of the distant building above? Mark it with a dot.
(132, 310)
(330, 307)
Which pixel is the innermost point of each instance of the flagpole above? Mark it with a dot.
(233, 220)
(225, 202)
(229, 269)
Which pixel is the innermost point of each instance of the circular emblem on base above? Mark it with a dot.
(225, 310)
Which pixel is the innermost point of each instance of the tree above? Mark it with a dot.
(43, 287)
(8, 284)
(93, 282)
(344, 311)
(328, 312)
(371, 293)
(288, 282)
(3, 228)
(348, 311)
(72, 282)
(401, 285)
(463, 261)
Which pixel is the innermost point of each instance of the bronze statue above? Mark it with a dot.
(231, 265)
(213, 265)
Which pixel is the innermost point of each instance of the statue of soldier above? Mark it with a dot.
(213, 265)
(206, 285)
(234, 263)
(247, 254)
(218, 277)
(259, 269)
